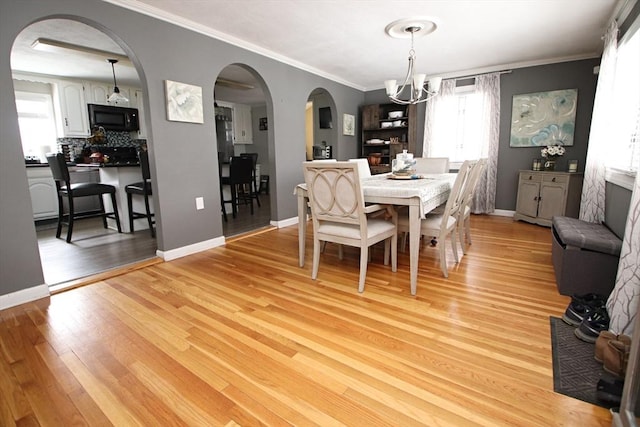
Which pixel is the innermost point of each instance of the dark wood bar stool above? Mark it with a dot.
(142, 188)
(64, 188)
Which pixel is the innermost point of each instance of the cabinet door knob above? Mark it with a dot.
(553, 179)
(530, 177)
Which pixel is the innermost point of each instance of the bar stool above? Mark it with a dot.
(64, 188)
(142, 188)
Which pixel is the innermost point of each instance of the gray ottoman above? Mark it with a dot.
(585, 256)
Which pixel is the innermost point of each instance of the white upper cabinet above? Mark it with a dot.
(98, 93)
(73, 119)
(137, 101)
(242, 130)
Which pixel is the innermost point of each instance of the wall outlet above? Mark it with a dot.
(199, 203)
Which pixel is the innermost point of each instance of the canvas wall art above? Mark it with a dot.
(184, 102)
(544, 118)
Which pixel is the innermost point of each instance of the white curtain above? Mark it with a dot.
(602, 121)
(481, 136)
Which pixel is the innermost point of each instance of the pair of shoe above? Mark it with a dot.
(589, 314)
(613, 352)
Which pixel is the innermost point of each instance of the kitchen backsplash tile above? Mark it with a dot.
(74, 146)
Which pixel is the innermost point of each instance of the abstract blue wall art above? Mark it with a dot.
(544, 118)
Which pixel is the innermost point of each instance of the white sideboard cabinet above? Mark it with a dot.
(543, 195)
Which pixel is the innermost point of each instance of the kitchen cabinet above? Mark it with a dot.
(543, 195)
(378, 128)
(242, 129)
(71, 109)
(98, 93)
(138, 102)
(42, 189)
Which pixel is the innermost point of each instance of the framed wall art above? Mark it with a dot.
(263, 123)
(348, 124)
(544, 118)
(184, 102)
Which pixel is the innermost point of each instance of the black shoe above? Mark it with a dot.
(594, 300)
(591, 326)
(610, 390)
(581, 306)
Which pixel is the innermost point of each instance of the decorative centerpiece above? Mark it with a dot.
(403, 164)
(551, 153)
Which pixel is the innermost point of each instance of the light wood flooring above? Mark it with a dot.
(240, 335)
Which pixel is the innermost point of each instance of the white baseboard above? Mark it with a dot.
(23, 296)
(285, 222)
(502, 212)
(191, 249)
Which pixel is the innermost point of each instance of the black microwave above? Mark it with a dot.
(113, 118)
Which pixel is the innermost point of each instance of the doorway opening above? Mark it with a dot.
(242, 130)
(320, 126)
(62, 65)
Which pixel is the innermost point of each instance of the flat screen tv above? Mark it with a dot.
(324, 114)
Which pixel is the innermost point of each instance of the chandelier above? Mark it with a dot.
(414, 83)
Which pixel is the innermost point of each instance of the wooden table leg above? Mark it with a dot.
(302, 226)
(414, 245)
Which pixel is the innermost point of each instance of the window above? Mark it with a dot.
(37, 123)
(463, 125)
(626, 105)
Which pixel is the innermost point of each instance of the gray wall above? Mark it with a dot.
(566, 75)
(182, 155)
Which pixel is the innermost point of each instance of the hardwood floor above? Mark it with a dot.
(240, 335)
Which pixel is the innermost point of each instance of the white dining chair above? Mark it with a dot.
(443, 225)
(339, 214)
(363, 167)
(464, 214)
(432, 164)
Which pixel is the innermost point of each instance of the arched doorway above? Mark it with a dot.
(321, 135)
(59, 67)
(242, 129)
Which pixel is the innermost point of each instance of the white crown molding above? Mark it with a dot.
(162, 15)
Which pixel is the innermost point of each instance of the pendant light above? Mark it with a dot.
(418, 89)
(116, 97)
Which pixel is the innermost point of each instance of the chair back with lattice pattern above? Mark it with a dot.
(334, 192)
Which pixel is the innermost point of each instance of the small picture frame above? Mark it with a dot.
(573, 166)
(348, 124)
(263, 123)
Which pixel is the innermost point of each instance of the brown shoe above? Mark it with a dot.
(601, 344)
(616, 356)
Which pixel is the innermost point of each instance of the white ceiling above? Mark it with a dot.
(345, 40)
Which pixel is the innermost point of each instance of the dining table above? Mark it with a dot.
(421, 194)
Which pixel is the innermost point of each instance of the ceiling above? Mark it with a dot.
(345, 40)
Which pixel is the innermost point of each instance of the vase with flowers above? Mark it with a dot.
(551, 153)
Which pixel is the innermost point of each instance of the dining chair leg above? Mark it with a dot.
(443, 260)
(387, 247)
(316, 258)
(340, 252)
(103, 211)
(454, 245)
(364, 253)
(460, 230)
(394, 252)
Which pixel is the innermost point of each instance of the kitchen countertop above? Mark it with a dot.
(86, 165)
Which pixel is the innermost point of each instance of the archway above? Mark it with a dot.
(321, 134)
(62, 63)
(242, 129)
